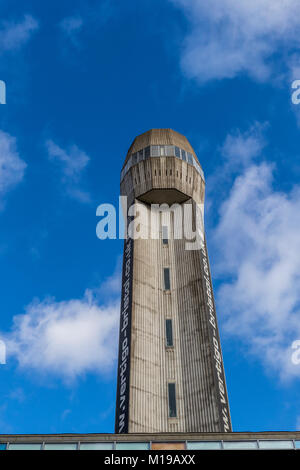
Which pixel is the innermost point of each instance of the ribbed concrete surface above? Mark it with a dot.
(163, 173)
(190, 362)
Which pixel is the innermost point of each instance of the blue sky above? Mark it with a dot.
(83, 79)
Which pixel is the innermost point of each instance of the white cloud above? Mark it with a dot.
(14, 35)
(257, 245)
(72, 162)
(230, 37)
(241, 149)
(12, 167)
(79, 194)
(65, 339)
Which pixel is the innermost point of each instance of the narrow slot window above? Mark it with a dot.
(169, 333)
(172, 400)
(167, 278)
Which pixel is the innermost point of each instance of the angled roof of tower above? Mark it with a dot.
(160, 137)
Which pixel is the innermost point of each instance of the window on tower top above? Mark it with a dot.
(169, 150)
(190, 158)
(155, 151)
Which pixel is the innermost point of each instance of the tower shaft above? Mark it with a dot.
(170, 372)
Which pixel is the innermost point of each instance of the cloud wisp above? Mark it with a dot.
(15, 34)
(86, 20)
(72, 162)
(71, 27)
(12, 167)
(228, 38)
(256, 243)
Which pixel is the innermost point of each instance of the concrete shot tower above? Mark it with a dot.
(170, 372)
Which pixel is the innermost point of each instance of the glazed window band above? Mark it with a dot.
(161, 151)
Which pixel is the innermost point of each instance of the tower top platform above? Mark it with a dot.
(160, 137)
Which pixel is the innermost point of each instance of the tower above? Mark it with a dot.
(170, 371)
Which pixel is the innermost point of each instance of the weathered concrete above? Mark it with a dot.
(190, 363)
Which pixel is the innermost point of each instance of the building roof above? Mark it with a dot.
(160, 137)
(177, 440)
